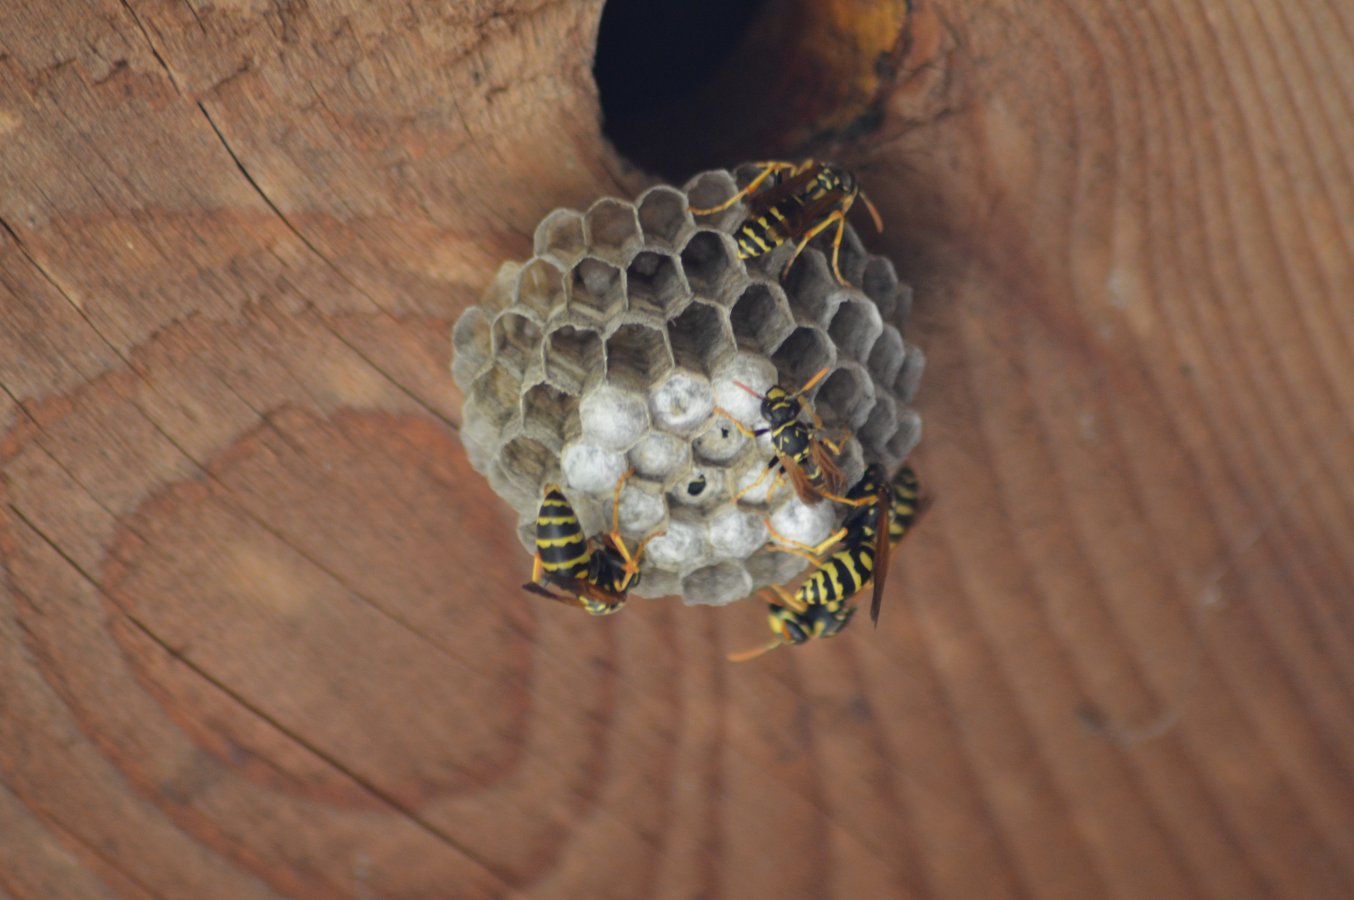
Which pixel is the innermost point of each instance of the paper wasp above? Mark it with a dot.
(801, 451)
(823, 604)
(803, 200)
(598, 573)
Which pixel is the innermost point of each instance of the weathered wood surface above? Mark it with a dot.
(259, 626)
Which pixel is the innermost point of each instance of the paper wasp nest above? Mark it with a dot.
(611, 347)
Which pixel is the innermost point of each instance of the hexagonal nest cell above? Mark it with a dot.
(614, 346)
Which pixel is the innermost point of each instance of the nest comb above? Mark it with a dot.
(611, 346)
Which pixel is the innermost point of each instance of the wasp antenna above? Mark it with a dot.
(874, 214)
(754, 393)
(808, 385)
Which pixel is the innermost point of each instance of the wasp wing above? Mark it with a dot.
(882, 549)
(782, 190)
(800, 479)
(886, 548)
(833, 479)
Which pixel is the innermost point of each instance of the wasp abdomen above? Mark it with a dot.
(839, 578)
(559, 537)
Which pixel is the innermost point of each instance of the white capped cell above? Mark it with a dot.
(735, 533)
(756, 372)
(682, 547)
(743, 483)
(613, 417)
(720, 443)
(590, 468)
(659, 456)
(682, 402)
(807, 524)
(717, 585)
(641, 511)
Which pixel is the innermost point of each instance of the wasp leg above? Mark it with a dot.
(776, 485)
(863, 501)
(616, 502)
(785, 598)
(797, 552)
(837, 249)
(747, 432)
(754, 652)
(836, 216)
(760, 478)
(768, 169)
(791, 542)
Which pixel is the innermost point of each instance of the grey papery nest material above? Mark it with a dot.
(611, 347)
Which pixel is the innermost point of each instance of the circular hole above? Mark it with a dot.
(699, 84)
(654, 55)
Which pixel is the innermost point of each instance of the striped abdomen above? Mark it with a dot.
(559, 537)
(839, 578)
(814, 622)
(905, 503)
(763, 233)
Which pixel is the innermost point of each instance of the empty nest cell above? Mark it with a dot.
(761, 318)
(886, 357)
(540, 288)
(637, 356)
(880, 284)
(527, 462)
(709, 260)
(656, 283)
(597, 290)
(573, 356)
(855, 327)
(842, 395)
(698, 337)
(496, 393)
(517, 342)
(470, 340)
(611, 229)
(546, 412)
(809, 287)
(909, 376)
(663, 216)
(560, 236)
(710, 189)
(803, 354)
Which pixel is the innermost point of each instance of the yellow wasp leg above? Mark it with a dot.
(813, 232)
(760, 478)
(768, 169)
(747, 432)
(791, 542)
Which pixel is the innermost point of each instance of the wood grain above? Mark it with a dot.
(260, 629)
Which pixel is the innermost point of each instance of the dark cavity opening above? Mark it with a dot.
(699, 84)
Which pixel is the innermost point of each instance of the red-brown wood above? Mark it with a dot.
(260, 625)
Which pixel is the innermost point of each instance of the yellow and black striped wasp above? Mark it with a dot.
(801, 449)
(598, 574)
(824, 602)
(803, 200)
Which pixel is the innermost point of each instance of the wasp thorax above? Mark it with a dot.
(630, 340)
